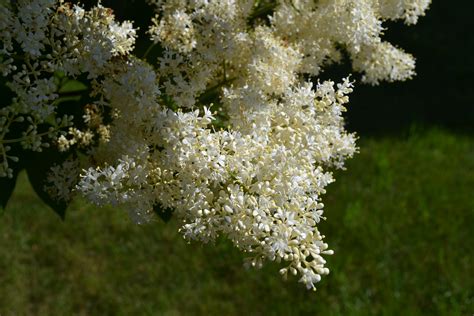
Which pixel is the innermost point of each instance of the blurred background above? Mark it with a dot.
(442, 93)
(400, 219)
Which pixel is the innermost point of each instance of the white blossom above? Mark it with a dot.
(231, 130)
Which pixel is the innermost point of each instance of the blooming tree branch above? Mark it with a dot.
(225, 128)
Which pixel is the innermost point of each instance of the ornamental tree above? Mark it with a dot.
(228, 128)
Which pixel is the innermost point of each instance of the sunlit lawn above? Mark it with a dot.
(400, 220)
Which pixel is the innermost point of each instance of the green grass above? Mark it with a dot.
(400, 220)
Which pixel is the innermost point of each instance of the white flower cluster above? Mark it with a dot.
(230, 130)
(52, 38)
(318, 28)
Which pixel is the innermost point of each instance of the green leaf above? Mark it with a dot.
(59, 74)
(164, 213)
(70, 98)
(38, 166)
(5, 92)
(72, 86)
(7, 186)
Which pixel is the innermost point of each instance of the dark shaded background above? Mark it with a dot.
(442, 93)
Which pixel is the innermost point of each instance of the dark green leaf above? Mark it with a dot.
(7, 186)
(71, 86)
(38, 166)
(68, 98)
(164, 213)
(59, 74)
(5, 92)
